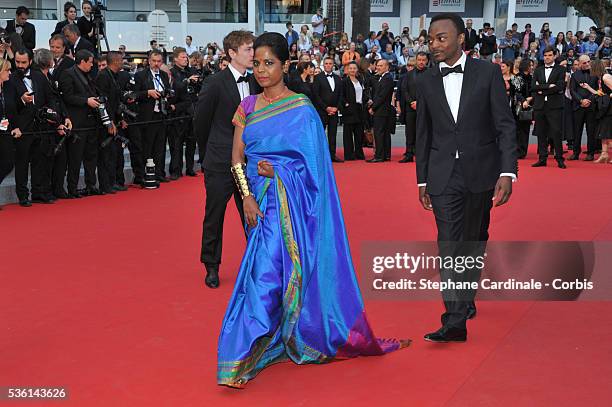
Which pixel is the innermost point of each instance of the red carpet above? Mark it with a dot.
(105, 296)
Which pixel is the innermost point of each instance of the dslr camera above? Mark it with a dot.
(103, 113)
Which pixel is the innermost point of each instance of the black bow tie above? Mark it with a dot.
(243, 79)
(549, 67)
(329, 75)
(456, 69)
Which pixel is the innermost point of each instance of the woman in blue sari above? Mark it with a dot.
(296, 295)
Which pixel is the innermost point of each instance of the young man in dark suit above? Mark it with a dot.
(80, 98)
(20, 25)
(466, 158)
(548, 86)
(383, 112)
(327, 98)
(217, 103)
(471, 36)
(151, 84)
(407, 104)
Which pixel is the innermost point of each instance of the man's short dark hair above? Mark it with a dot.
(113, 56)
(422, 54)
(527, 25)
(24, 51)
(58, 37)
(289, 24)
(514, 25)
(155, 52)
(486, 25)
(454, 18)
(22, 10)
(550, 48)
(178, 51)
(82, 55)
(152, 42)
(190, 37)
(102, 58)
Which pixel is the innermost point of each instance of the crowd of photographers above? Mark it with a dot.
(65, 106)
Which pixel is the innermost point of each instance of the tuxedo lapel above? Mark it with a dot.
(470, 76)
(231, 86)
(439, 92)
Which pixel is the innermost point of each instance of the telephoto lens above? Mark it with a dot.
(150, 182)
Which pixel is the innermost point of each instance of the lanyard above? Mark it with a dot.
(156, 78)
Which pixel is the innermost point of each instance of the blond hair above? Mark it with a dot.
(5, 65)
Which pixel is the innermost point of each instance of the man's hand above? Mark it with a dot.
(61, 130)
(585, 103)
(371, 111)
(68, 123)
(16, 133)
(93, 102)
(25, 98)
(265, 169)
(123, 124)
(413, 105)
(112, 130)
(152, 93)
(194, 78)
(251, 211)
(503, 190)
(398, 108)
(525, 104)
(425, 199)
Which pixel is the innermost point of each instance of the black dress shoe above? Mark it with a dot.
(375, 160)
(25, 203)
(360, 157)
(173, 177)
(574, 157)
(91, 191)
(336, 160)
(61, 194)
(540, 163)
(190, 173)
(162, 179)
(444, 335)
(589, 157)
(349, 159)
(74, 195)
(118, 187)
(561, 164)
(42, 200)
(407, 159)
(212, 276)
(137, 181)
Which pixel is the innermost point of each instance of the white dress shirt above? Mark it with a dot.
(190, 49)
(330, 80)
(243, 87)
(159, 86)
(453, 83)
(358, 91)
(28, 83)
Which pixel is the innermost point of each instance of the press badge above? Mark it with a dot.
(4, 124)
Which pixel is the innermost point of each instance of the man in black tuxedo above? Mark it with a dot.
(80, 98)
(327, 98)
(30, 92)
(548, 86)
(471, 36)
(407, 104)
(77, 43)
(584, 103)
(217, 103)
(466, 158)
(151, 84)
(20, 25)
(383, 112)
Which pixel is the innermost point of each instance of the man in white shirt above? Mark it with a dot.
(318, 24)
(466, 159)
(189, 47)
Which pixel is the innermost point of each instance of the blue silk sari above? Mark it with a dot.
(296, 295)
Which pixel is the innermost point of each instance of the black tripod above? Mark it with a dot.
(99, 31)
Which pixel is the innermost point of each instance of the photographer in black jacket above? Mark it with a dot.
(30, 91)
(181, 133)
(107, 83)
(79, 95)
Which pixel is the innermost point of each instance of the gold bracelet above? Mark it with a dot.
(242, 182)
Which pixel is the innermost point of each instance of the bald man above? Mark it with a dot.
(383, 112)
(584, 108)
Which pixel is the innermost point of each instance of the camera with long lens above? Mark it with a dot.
(164, 104)
(96, 9)
(126, 112)
(124, 141)
(51, 118)
(103, 113)
(194, 86)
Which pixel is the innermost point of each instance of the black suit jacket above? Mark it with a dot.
(59, 27)
(107, 84)
(550, 98)
(28, 35)
(76, 87)
(144, 83)
(85, 26)
(484, 135)
(352, 112)
(217, 103)
(471, 39)
(579, 93)
(323, 95)
(65, 63)
(44, 97)
(383, 93)
(406, 89)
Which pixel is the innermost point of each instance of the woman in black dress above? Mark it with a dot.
(303, 82)
(523, 99)
(85, 22)
(353, 112)
(604, 106)
(70, 12)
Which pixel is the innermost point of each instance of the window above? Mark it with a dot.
(296, 11)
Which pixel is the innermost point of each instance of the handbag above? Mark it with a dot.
(524, 115)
